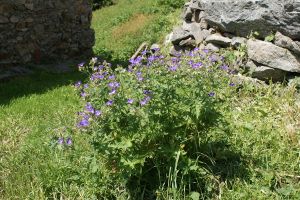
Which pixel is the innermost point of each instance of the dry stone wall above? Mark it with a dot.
(215, 24)
(44, 30)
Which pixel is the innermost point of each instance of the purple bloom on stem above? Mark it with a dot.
(98, 113)
(69, 141)
(60, 140)
(86, 85)
(151, 58)
(89, 107)
(196, 49)
(197, 65)
(112, 92)
(211, 94)
(112, 77)
(83, 123)
(173, 68)
(81, 65)
(83, 94)
(139, 76)
(144, 52)
(145, 100)
(224, 67)
(147, 92)
(232, 84)
(130, 101)
(114, 85)
(205, 50)
(78, 84)
(136, 61)
(109, 103)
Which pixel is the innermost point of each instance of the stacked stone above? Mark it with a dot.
(44, 30)
(215, 24)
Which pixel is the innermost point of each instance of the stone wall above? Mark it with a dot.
(214, 24)
(33, 31)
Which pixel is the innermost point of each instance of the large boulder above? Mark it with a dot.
(245, 16)
(270, 55)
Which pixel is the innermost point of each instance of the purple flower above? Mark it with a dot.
(97, 76)
(147, 92)
(136, 61)
(197, 65)
(231, 84)
(85, 86)
(173, 68)
(144, 52)
(191, 54)
(89, 107)
(205, 50)
(145, 100)
(151, 58)
(114, 85)
(191, 62)
(83, 123)
(112, 77)
(83, 94)
(69, 141)
(196, 49)
(81, 65)
(139, 76)
(98, 113)
(109, 103)
(60, 140)
(112, 92)
(211, 94)
(130, 101)
(78, 84)
(224, 67)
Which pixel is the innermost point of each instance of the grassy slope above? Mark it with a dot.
(260, 161)
(35, 110)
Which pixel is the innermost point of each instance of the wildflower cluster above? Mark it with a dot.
(153, 108)
(65, 141)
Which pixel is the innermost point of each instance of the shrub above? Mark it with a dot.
(153, 115)
(101, 3)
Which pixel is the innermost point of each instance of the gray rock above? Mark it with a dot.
(218, 40)
(3, 19)
(203, 24)
(189, 43)
(180, 34)
(187, 14)
(265, 73)
(238, 41)
(263, 16)
(212, 47)
(286, 42)
(273, 56)
(250, 66)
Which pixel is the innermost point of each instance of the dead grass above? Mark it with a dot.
(132, 26)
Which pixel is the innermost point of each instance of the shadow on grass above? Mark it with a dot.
(37, 83)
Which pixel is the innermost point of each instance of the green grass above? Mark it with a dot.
(121, 28)
(260, 159)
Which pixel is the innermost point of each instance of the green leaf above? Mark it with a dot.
(195, 195)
